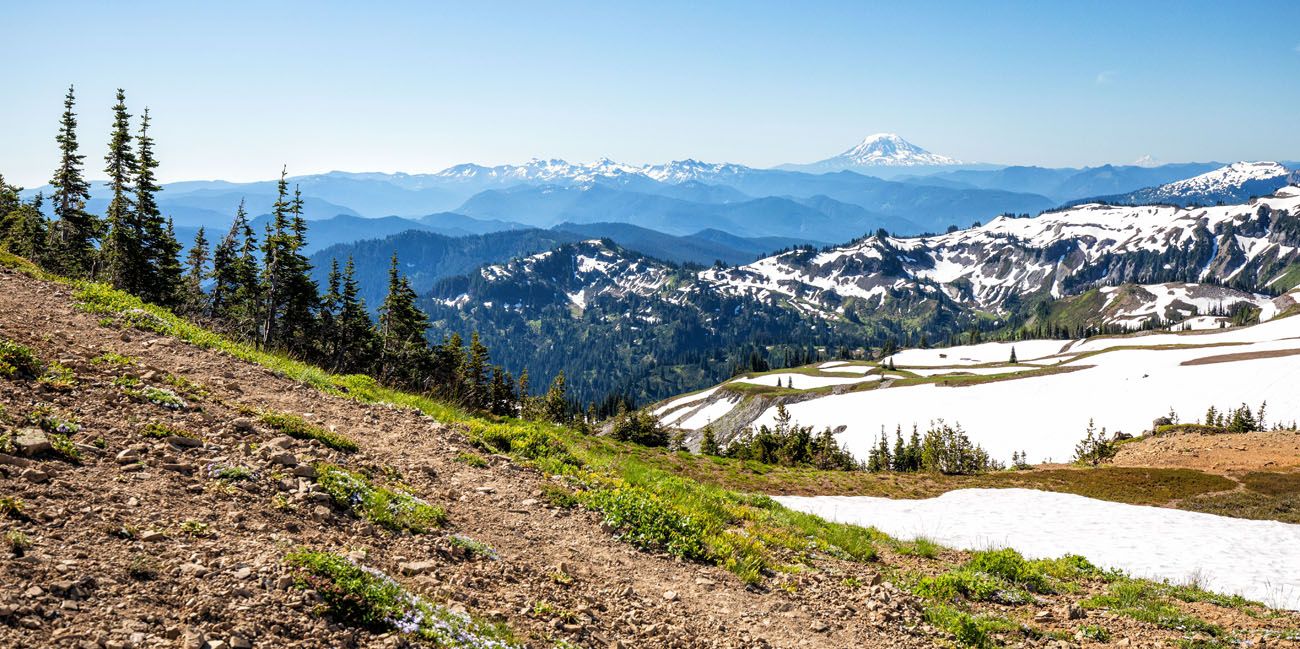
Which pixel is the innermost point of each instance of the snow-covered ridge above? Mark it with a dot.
(1233, 175)
(1009, 256)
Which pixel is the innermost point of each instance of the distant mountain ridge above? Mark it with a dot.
(1229, 184)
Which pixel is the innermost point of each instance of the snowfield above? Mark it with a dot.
(1122, 383)
(1255, 559)
(802, 381)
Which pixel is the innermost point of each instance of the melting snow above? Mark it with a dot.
(1256, 559)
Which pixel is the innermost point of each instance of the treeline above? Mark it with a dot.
(941, 449)
(259, 291)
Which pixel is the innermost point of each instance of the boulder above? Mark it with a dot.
(31, 441)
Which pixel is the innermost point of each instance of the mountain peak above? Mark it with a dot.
(891, 150)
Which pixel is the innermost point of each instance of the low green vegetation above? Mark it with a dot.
(18, 361)
(967, 629)
(359, 596)
(59, 377)
(138, 391)
(114, 360)
(299, 428)
(1152, 603)
(470, 548)
(159, 430)
(392, 509)
(472, 459)
(1005, 577)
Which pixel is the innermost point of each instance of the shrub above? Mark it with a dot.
(395, 510)
(18, 361)
(472, 459)
(639, 427)
(560, 497)
(297, 427)
(645, 521)
(1094, 448)
(158, 430)
(18, 542)
(367, 598)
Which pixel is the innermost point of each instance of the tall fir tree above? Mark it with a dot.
(196, 272)
(302, 295)
(225, 271)
(165, 282)
(123, 260)
(402, 327)
(357, 339)
(72, 237)
(276, 249)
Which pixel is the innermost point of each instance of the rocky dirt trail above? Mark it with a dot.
(138, 545)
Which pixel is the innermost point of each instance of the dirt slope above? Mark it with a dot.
(155, 552)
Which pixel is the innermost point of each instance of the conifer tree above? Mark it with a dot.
(124, 261)
(402, 326)
(164, 283)
(72, 236)
(357, 339)
(9, 200)
(196, 272)
(276, 247)
(225, 269)
(24, 231)
(555, 404)
(709, 442)
(475, 377)
(302, 295)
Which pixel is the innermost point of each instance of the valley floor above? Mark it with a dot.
(148, 540)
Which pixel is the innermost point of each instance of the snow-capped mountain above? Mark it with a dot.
(890, 150)
(1059, 253)
(882, 154)
(1233, 183)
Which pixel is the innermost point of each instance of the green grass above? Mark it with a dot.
(299, 428)
(968, 630)
(367, 598)
(1152, 603)
(392, 509)
(472, 459)
(471, 548)
(1005, 577)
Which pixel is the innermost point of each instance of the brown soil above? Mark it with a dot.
(1217, 453)
(1243, 356)
(80, 585)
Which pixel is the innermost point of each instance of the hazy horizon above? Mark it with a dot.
(238, 90)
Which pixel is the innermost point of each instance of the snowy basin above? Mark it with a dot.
(1259, 560)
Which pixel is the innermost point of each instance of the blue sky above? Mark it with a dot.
(237, 88)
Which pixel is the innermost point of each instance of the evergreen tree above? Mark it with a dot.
(276, 249)
(164, 283)
(9, 199)
(196, 272)
(709, 442)
(302, 296)
(357, 340)
(402, 326)
(555, 404)
(124, 261)
(475, 377)
(1013, 355)
(24, 231)
(225, 269)
(72, 236)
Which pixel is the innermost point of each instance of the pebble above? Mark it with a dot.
(671, 596)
